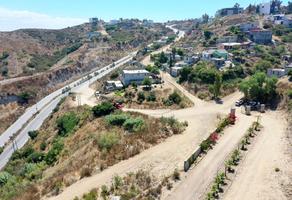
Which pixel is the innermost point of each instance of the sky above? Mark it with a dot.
(54, 14)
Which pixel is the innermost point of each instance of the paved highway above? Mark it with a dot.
(45, 107)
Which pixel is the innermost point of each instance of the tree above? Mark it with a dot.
(102, 109)
(275, 6)
(33, 134)
(184, 74)
(207, 34)
(259, 87)
(147, 82)
(217, 85)
(289, 7)
(290, 74)
(236, 5)
(205, 18)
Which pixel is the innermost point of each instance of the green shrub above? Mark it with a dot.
(107, 140)
(116, 119)
(43, 146)
(151, 97)
(33, 134)
(22, 153)
(54, 152)
(289, 93)
(134, 124)
(36, 157)
(175, 98)
(205, 145)
(141, 97)
(32, 171)
(92, 195)
(4, 177)
(1, 150)
(102, 109)
(67, 123)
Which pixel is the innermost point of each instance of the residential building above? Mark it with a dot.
(218, 62)
(225, 39)
(287, 21)
(229, 11)
(288, 68)
(234, 45)
(93, 20)
(113, 85)
(214, 53)
(246, 27)
(261, 36)
(276, 72)
(92, 35)
(191, 59)
(134, 76)
(174, 71)
(265, 8)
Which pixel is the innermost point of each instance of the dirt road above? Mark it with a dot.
(257, 178)
(161, 159)
(198, 179)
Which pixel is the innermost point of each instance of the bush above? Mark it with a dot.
(151, 97)
(141, 97)
(1, 150)
(22, 153)
(176, 175)
(54, 152)
(107, 140)
(85, 172)
(205, 145)
(67, 123)
(43, 146)
(4, 177)
(32, 171)
(36, 157)
(134, 125)
(102, 109)
(289, 93)
(116, 119)
(92, 195)
(33, 134)
(175, 97)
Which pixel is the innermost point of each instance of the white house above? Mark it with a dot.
(174, 71)
(134, 76)
(265, 8)
(113, 85)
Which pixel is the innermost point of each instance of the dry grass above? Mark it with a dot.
(82, 155)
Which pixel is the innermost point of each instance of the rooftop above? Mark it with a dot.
(136, 71)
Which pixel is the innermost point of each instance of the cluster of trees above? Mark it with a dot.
(259, 87)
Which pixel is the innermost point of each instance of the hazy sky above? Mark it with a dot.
(16, 14)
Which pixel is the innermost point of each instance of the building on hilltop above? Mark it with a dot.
(229, 11)
(265, 8)
(261, 36)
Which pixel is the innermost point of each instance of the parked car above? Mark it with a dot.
(239, 103)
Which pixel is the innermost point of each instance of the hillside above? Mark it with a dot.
(48, 59)
(76, 142)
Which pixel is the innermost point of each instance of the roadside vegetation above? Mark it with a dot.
(77, 142)
(225, 177)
